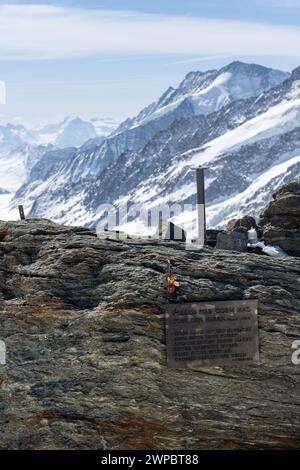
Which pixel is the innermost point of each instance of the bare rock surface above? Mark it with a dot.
(280, 220)
(83, 323)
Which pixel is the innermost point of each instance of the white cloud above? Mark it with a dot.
(48, 32)
(196, 60)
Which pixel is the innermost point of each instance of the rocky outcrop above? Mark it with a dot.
(280, 220)
(243, 224)
(211, 237)
(83, 323)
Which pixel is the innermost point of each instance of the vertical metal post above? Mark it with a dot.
(21, 212)
(201, 205)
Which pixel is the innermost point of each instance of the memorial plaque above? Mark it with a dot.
(208, 334)
(236, 241)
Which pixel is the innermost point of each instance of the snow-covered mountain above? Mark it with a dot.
(205, 92)
(18, 155)
(73, 131)
(13, 136)
(21, 148)
(19, 152)
(245, 164)
(243, 121)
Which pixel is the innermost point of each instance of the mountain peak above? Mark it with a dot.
(244, 67)
(237, 64)
(196, 75)
(71, 118)
(195, 79)
(296, 74)
(193, 74)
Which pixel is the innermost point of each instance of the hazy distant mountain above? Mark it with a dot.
(21, 148)
(18, 154)
(74, 131)
(3, 191)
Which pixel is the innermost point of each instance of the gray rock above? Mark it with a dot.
(211, 237)
(83, 322)
(280, 220)
(247, 222)
(236, 241)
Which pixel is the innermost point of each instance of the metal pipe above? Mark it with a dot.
(21, 212)
(201, 205)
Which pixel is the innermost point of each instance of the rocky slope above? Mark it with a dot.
(83, 322)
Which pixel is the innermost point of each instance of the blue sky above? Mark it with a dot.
(111, 58)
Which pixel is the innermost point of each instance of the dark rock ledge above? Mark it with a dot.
(83, 321)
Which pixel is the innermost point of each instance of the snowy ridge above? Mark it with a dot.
(281, 118)
(210, 91)
(257, 191)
